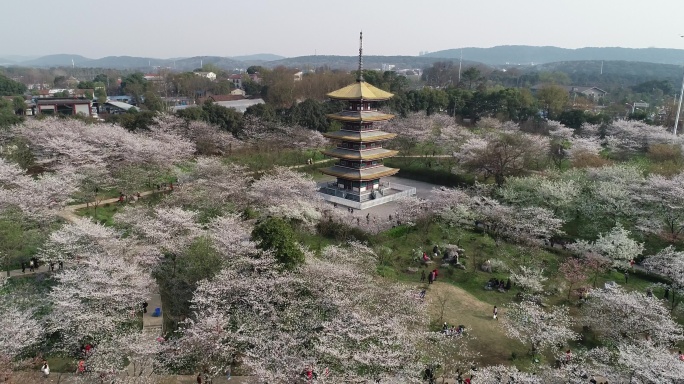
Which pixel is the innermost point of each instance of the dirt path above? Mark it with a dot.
(462, 308)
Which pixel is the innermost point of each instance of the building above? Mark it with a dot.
(593, 93)
(236, 79)
(64, 107)
(116, 107)
(359, 149)
(209, 75)
(237, 102)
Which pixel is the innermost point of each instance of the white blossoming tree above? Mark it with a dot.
(536, 327)
(615, 245)
(330, 313)
(633, 317)
(669, 263)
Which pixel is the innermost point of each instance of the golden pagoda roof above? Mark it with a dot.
(359, 136)
(359, 174)
(360, 91)
(359, 116)
(355, 154)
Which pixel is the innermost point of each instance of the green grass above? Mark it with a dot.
(260, 160)
(430, 170)
(104, 214)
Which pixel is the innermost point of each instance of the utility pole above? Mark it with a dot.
(459, 66)
(679, 107)
(602, 67)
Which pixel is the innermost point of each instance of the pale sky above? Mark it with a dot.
(182, 28)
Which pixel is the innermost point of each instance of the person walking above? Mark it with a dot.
(199, 378)
(45, 369)
(31, 265)
(144, 306)
(496, 313)
(626, 277)
(431, 277)
(23, 267)
(422, 276)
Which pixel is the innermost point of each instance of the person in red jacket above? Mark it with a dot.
(435, 272)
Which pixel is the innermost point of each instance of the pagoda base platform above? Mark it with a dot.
(332, 194)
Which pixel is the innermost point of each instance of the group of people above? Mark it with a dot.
(497, 284)
(453, 330)
(34, 263)
(130, 198)
(431, 277)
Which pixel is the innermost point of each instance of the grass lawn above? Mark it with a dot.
(104, 214)
(462, 308)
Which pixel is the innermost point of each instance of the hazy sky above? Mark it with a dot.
(180, 28)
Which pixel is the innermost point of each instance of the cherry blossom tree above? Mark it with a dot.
(560, 195)
(574, 271)
(171, 229)
(650, 364)
(288, 194)
(633, 317)
(615, 245)
(212, 185)
(330, 313)
(277, 135)
(631, 135)
(38, 198)
(529, 279)
(501, 155)
(540, 329)
(19, 330)
(669, 263)
(523, 224)
(97, 296)
(74, 143)
(660, 206)
(208, 139)
(451, 353)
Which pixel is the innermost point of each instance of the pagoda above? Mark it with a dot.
(359, 146)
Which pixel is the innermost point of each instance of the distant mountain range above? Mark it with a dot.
(501, 56)
(142, 63)
(529, 55)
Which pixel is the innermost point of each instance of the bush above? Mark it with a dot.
(340, 231)
(275, 234)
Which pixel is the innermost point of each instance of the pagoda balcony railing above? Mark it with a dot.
(333, 189)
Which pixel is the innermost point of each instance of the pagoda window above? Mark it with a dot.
(356, 146)
(363, 146)
(375, 162)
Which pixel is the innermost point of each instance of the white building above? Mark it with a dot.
(209, 75)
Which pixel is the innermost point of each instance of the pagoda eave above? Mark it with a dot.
(359, 117)
(359, 174)
(359, 155)
(365, 137)
(360, 91)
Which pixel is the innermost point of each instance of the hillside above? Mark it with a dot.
(351, 62)
(258, 57)
(524, 54)
(60, 60)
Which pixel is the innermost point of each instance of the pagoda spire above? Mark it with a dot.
(360, 78)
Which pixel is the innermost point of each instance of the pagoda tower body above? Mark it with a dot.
(359, 145)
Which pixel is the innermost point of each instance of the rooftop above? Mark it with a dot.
(359, 174)
(367, 136)
(347, 115)
(360, 91)
(355, 154)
